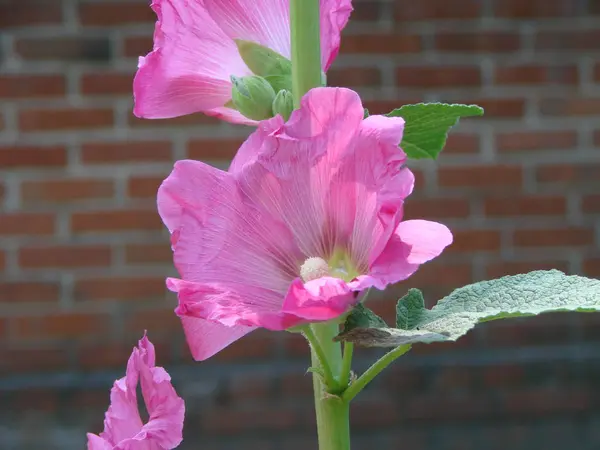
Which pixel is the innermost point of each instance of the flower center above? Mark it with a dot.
(314, 268)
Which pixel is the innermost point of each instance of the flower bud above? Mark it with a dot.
(283, 104)
(263, 61)
(253, 97)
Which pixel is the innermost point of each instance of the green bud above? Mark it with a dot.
(283, 104)
(253, 97)
(279, 82)
(263, 61)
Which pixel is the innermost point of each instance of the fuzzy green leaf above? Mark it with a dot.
(511, 296)
(362, 317)
(427, 126)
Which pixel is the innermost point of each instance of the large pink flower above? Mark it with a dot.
(123, 427)
(308, 214)
(195, 54)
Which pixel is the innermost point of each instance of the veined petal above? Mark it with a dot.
(191, 64)
(334, 17)
(95, 442)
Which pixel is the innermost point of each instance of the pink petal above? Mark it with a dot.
(207, 338)
(123, 428)
(334, 17)
(190, 67)
(319, 300)
(265, 22)
(414, 242)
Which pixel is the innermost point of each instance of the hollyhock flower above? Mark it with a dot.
(308, 215)
(195, 55)
(123, 427)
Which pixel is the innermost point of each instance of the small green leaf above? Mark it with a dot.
(427, 126)
(410, 310)
(363, 317)
(366, 114)
(512, 296)
(263, 61)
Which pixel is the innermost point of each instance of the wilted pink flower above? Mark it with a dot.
(308, 214)
(195, 54)
(123, 427)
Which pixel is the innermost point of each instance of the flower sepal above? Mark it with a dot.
(253, 97)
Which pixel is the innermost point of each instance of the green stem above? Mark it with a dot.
(373, 371)
(333, 412)
(344, 378)
(306, 47)
(323, 365)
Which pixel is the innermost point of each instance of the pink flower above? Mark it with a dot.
(308, 214)
(123, 427)
(195, 54)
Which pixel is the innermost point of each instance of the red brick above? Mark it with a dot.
(260, 344)
(536, 74)
(113, 288)
(462, 143)
(591, 267)
(506, 375)
(437, 208)
(535, 205)
(107, 83)
(64, 119)
(103, 356)
(356, 76)
(134, 46)
(20, 156)
(410, 11)
(122, 152)
(144, 186)
(534, 9)
(500, 269)
(30, 86)
(158, 321)
(467, 241)
(597, 138)
(188, 120)
(249, 387)
(500, 108)
(536, 140)
(385, 106)
(381, 44)
(148, 253)
(2, 267)
(570, 106)
(481, 176)
(568, 174)
(373, 414)
(61, 326)
(65, 256)
(115, 220)
(115, 13)
(438, 76)
(211, 149)
(568, 40)
(558, 237)
(60, 191)
(27, 224)
(34, 360)
(479, 42)
(228, 421)
(441, 274)
(547, 401)
(16, 13)
(367, 11)
(541, 330)
(64, 48)
(591, 204)
(31, 291)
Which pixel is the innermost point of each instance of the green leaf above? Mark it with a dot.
(512, 296)
(362, 317)
(427, 126)
(263, 61)
(366, 114)
(410, 310)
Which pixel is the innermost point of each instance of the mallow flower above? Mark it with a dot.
(308, 215)
(123, 426)
(199, 45)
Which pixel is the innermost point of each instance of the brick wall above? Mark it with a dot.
(83, 256)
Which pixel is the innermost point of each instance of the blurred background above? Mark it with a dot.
(83, 254)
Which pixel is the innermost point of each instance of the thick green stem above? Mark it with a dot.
(306, 47)
(373, 371)
(332, 410)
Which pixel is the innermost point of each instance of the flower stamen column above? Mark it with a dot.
(332, 411)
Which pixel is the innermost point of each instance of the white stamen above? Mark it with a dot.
(314, 268)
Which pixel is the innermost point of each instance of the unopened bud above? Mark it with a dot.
(262, 60)
(283, 104)
(253, 97)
